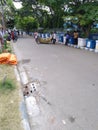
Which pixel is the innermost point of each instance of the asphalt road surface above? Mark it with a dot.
(67, 90)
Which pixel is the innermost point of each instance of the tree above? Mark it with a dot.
(48, 18)
(27, 23)
(56, 11)
(8, 11)
(83, 13)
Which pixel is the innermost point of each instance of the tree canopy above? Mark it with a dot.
(83, 13)
(54, 13)
(8, 13)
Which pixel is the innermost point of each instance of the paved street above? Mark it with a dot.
(67, 91)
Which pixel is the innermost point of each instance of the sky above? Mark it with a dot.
(17, 5)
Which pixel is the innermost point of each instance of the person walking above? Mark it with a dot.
(36, 36)
(54, 38)
(12, 35)
(67, 35)
(75, 36)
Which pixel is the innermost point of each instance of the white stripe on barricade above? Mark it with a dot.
(96, 48)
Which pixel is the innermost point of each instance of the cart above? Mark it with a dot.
(44, 40)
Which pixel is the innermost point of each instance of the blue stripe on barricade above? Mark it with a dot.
(90, 44)
(60, 37)
(71, 41)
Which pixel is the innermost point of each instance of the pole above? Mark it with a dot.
(2, 15)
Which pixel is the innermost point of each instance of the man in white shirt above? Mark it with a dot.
(54, 38)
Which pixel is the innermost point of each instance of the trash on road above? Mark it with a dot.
(72, 119)
(64, 122)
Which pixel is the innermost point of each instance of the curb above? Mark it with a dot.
(22, 78)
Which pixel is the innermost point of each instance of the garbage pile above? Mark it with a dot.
(8, 58)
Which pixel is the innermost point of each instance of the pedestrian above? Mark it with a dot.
(36, 36)
(54, 37)
(8, 36)
(67, 35)
(12, 35)
(15, 35)
(75, 36)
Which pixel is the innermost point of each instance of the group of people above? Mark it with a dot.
(53, 37)
(8, 35)
(68, 36)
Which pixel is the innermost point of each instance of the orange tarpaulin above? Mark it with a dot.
(7, 58)
(12, 60)
(4, 57)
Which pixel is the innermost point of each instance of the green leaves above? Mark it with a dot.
(86, 13)
(27, 23)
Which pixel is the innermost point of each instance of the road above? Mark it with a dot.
(67, 90)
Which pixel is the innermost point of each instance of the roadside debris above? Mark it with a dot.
(72, 119)
(8, 58)
(52, 120)
(64, 122)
